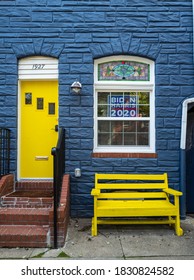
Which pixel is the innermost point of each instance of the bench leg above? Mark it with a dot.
(94, 226)
(178, 228)
(170, 221)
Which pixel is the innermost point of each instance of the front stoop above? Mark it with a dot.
(22, 216)
(26, 202)
(24, 236)
(23, 226)
(29, 194)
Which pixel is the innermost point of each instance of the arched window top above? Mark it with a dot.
(37, 68)
(123, 69)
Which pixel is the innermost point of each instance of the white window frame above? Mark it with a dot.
(125, 86)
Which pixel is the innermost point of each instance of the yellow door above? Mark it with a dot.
(38, 128)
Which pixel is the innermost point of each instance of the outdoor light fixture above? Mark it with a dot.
(76, 87)
(77, 172)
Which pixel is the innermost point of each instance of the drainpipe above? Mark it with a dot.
(183, 156)
(193, 28)
(183, 145)
(183, 161)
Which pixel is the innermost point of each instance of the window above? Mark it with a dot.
(124, 105)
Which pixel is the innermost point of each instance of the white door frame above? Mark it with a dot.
(31, 69)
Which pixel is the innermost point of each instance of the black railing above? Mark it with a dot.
(58, 153)
(4, 151)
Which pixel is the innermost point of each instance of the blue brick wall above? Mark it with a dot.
(77, 32)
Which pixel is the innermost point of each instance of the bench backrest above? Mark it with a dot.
(131, 181)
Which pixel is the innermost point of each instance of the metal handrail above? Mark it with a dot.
(58, 153)
(4, 151)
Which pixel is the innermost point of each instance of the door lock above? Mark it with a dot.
(56, 128)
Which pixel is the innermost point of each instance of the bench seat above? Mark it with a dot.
(135, 199)
(135, 208)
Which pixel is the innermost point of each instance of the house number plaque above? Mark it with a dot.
(38, 66)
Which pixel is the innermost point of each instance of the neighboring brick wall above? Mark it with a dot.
(77, 32)
(63, 213)
(7, 184)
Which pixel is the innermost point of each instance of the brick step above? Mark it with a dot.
(28, 194)
(31, 185)
(21, 216)
(24, 236)
(26, 202)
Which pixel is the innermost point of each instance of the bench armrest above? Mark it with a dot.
(173, 192)
(95, 192)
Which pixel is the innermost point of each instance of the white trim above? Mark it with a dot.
(115, 86)
(19, 130)
(25, 72)
(38, 68)
(184, 122)
(132, 149)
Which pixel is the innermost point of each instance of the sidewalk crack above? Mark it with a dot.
(124, 257)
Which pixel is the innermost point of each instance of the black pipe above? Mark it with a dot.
(54, 152)
(58, 171)
(4, 151)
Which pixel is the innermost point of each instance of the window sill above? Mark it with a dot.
(124, 155)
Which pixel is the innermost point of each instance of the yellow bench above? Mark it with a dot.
(135, 199)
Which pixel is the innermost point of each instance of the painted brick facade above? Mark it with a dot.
(77, 32)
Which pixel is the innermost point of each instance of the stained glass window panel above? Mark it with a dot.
(123, 70)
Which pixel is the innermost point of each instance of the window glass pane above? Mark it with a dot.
(142, 139)
(130, 139)
(142, 126)
(143, 97)
(104, 126)
(117, 132)
(130, 104)
(103, 104)
(129, 126)
(116, 101)
(130, 132)
(40, 103)
(51, 109)
(143, 133)
(28, 98)
(102, 111)
(123, 133)
(103, 97)
(103, 139)
(144, 108)
(104, 132)
(123, 104)
(144, 111)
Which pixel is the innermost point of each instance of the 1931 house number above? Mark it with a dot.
(38, 66)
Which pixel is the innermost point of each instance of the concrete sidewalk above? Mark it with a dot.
(116, 242)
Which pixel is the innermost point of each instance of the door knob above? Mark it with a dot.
(56, 128)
